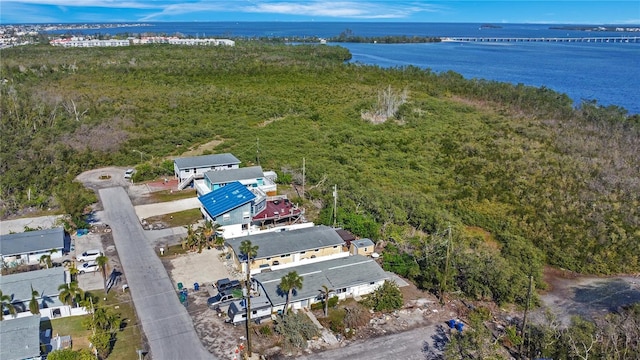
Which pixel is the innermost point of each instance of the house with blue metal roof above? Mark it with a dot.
(232, 204)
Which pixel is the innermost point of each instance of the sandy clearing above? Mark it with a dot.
(203, 268)
(155, 209)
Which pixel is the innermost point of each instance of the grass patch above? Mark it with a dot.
(180, 218)
(170, 195)
(72, 325)
(128, 340)
(174, 250)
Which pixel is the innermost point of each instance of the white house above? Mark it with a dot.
(252, 177)
(46, 282)
(28, 247)
(188, 169)
(350, 276)
(20, 338)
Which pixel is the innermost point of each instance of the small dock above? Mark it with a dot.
(616, 39)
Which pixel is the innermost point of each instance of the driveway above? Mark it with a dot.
(166, 323)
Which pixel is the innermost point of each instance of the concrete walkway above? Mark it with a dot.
(165, 322)
(149, 210)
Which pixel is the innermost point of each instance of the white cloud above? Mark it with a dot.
(334, 9)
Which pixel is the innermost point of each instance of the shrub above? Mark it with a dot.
(296, 329)
(386, 297)
(356, 316)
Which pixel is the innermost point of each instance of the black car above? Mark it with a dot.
(227, 285)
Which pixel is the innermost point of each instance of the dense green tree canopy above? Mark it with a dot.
(522, 178)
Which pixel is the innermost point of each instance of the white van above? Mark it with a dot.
(89, 255)
(129, 173)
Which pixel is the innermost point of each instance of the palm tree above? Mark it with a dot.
(70, 293)
(103, 264)
(46, 259)
(190, 241)
(73, 271)
(6, 304)
(325, 297)
(250, 252)
(289, 284)
(34, 307)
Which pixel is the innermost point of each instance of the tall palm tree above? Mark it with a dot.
(103, 263)
(70, 293)
(34, 307)
(325, 298)
(73, 271)
(289, 284)
(190, 241)
(5, 300)
(249, 251)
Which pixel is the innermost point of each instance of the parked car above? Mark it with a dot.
(89, 255)
(223, 298)
(227, 285)
(129, 173)
(90, 266)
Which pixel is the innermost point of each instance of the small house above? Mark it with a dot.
(252, 177)
(362, 247)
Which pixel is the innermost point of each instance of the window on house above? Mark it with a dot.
(226, 217)
(285, 255)
(372, 283)
(268, 258)
(335, 247)
(302, 252)
(316, 250)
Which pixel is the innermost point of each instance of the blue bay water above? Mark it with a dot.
(606, 72)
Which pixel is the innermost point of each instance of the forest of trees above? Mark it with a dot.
(505, 177)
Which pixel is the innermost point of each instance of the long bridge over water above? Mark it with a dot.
(616, 39)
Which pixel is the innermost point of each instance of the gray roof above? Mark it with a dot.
(32, 241)
(45, 282)
(362, 243)
(335, 274)
(20, 338)
(291, 241)
(227, 176)
(206, 161)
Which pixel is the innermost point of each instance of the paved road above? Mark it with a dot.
(417, 344)
(165, 321)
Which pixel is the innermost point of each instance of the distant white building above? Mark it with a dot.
(84, 42)
(188, 169)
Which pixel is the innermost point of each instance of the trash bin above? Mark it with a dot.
(180, 286)
(196, 286)
(459, 326)
(451, 323)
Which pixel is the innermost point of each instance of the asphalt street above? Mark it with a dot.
(166, 324)
(423, 343)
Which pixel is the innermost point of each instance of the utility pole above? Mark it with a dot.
(258, 150)
(303, 175)
(446, 268)
(335, 204)
(248, 306)
(524, 318)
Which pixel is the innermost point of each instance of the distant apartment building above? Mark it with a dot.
(88, 42)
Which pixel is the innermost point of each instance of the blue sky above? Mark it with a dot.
(514, 11)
